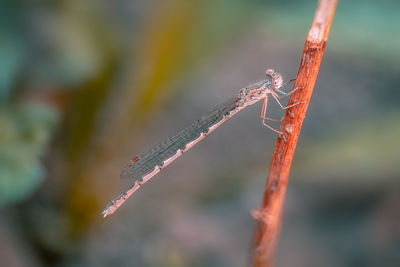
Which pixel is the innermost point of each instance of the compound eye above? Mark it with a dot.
(269, 73)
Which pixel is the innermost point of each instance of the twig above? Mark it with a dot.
(270, 213)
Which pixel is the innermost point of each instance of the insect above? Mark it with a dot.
(144, 166)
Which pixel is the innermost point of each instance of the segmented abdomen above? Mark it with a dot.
(145, 163)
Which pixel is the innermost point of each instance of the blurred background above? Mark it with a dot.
(87, 85)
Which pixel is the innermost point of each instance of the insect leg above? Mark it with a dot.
(292, 105)
(266, 125)
(291, 92)
(263, 117)
(263, 111)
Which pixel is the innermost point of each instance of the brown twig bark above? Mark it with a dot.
(270, 213)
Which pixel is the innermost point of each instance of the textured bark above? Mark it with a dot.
(269, 215)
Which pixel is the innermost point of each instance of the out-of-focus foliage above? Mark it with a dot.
(366, 148)
(24, 135)
(12, 51)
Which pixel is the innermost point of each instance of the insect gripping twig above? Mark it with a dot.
(144, 166)
(269, 215)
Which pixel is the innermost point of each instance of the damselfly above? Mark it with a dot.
(146, 165)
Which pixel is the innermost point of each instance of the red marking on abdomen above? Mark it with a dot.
(133, 161)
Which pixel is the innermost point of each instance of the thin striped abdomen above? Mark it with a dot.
(158, 155)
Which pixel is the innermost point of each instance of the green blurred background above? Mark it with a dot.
(87, 85)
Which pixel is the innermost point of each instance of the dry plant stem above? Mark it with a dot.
(270, 213)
